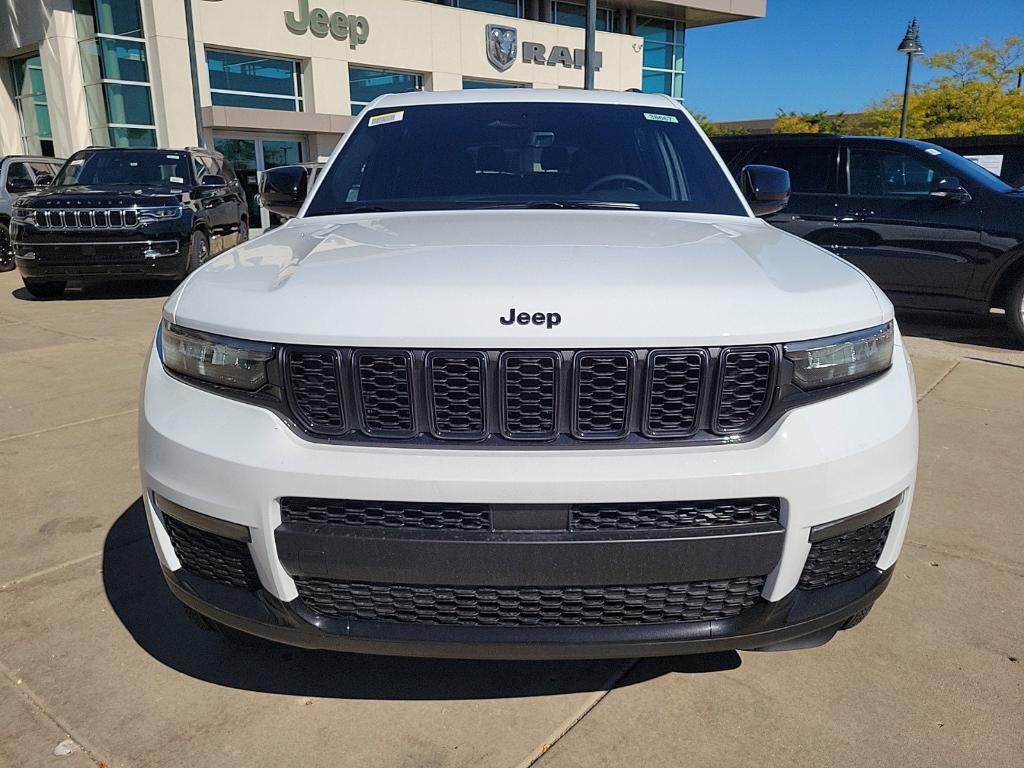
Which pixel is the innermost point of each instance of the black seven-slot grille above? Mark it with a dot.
(464, 395)
(531, 606)
(847, 556)
(627, 516)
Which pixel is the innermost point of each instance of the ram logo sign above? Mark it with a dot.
(501, 46)
(502, 49)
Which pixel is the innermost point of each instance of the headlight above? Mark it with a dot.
(216, 359)
(838, 359)
(160, 213)
(22, 215)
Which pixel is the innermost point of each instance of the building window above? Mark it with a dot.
(498, 7)
(575, 15)
(115, 73)
(251, 80)
(470, 84)
(367, 84)
(30, 96)
(664, 41)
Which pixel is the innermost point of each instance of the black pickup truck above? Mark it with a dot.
(127, 213)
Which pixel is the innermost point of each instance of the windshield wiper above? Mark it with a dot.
(575, 204)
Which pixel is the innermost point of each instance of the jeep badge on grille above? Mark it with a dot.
(550, 319)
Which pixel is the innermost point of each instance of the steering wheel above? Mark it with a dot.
(604, 180)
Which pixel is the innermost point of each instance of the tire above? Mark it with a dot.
(46, 289)
(243, 231)
(6, 249)
(1015, 309)
(198, 250)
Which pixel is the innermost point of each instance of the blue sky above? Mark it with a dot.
(835, 55)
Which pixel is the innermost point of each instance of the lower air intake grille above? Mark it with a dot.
(841, 558)
(531, 606)
(213, 557)
(667, 515)
(386, 514)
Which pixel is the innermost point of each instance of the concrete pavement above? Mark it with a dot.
(98, 663)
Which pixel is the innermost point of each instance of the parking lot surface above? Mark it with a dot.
(99, 666)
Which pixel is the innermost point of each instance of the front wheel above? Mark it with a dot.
(6, 249)
(198, 251)
(46, 289)
(1015, 308)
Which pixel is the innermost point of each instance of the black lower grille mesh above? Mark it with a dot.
(744, 389)
(669, 514)
(213, 557)
(841, 558)
(386, 514)
(531, 606)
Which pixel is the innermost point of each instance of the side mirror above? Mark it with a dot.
(283, 189)
(20, 184)
(950, 188)
(765, 187)
(213, 181)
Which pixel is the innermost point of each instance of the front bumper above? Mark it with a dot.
(161, 257)
(233, 462)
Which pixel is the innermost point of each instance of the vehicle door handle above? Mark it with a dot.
(858, 214)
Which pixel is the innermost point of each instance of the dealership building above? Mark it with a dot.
(280, 81)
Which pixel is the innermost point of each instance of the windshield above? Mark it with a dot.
(134, 168)
(968, 169)
(495, 155)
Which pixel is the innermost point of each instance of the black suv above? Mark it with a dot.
(113, 213)
(934, 230)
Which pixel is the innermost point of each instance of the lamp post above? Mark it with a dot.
(911, 46)
(190, 36)
(589, 47)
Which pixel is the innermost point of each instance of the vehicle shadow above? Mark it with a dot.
(140, 599)
(977, 330)
(127, 289)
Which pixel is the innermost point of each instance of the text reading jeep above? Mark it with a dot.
(526, 377)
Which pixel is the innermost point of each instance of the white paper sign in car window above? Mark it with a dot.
(661, 118)
(991, 163)
(390, 117)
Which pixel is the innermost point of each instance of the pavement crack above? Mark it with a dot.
(941, 379)
(69, 424)
(46, 571)
(582, 712)
(35, 702)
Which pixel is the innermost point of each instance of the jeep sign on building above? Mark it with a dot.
(279, 80)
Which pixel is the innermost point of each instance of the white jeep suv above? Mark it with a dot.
(525, 377)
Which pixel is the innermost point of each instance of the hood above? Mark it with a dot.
(89, 196)
(447, 279)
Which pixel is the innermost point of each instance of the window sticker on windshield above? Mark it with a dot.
(173, 157)
(133, 164)
(390, 117)
(661, 118)
(79, 161)
(177, 180)
(933, 151)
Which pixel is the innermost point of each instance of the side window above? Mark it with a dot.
(19, 177)
(884, 173)
(199, 168)
(812, 168)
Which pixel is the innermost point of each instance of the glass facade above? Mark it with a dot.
(251, 80)
(33, 111)
(367, 84)
(664, 43)
(499, 7)
(469, 84)
(575, 15)
(115, 73)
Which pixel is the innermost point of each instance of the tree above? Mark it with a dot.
(974, 94)
(714, 129)
(812, 122)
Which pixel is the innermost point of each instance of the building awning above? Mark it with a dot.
(246, 119)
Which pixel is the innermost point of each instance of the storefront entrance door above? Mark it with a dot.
(250, 156)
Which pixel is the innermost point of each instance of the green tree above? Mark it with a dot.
(812, 122)
(714, 129)
(975, 93)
